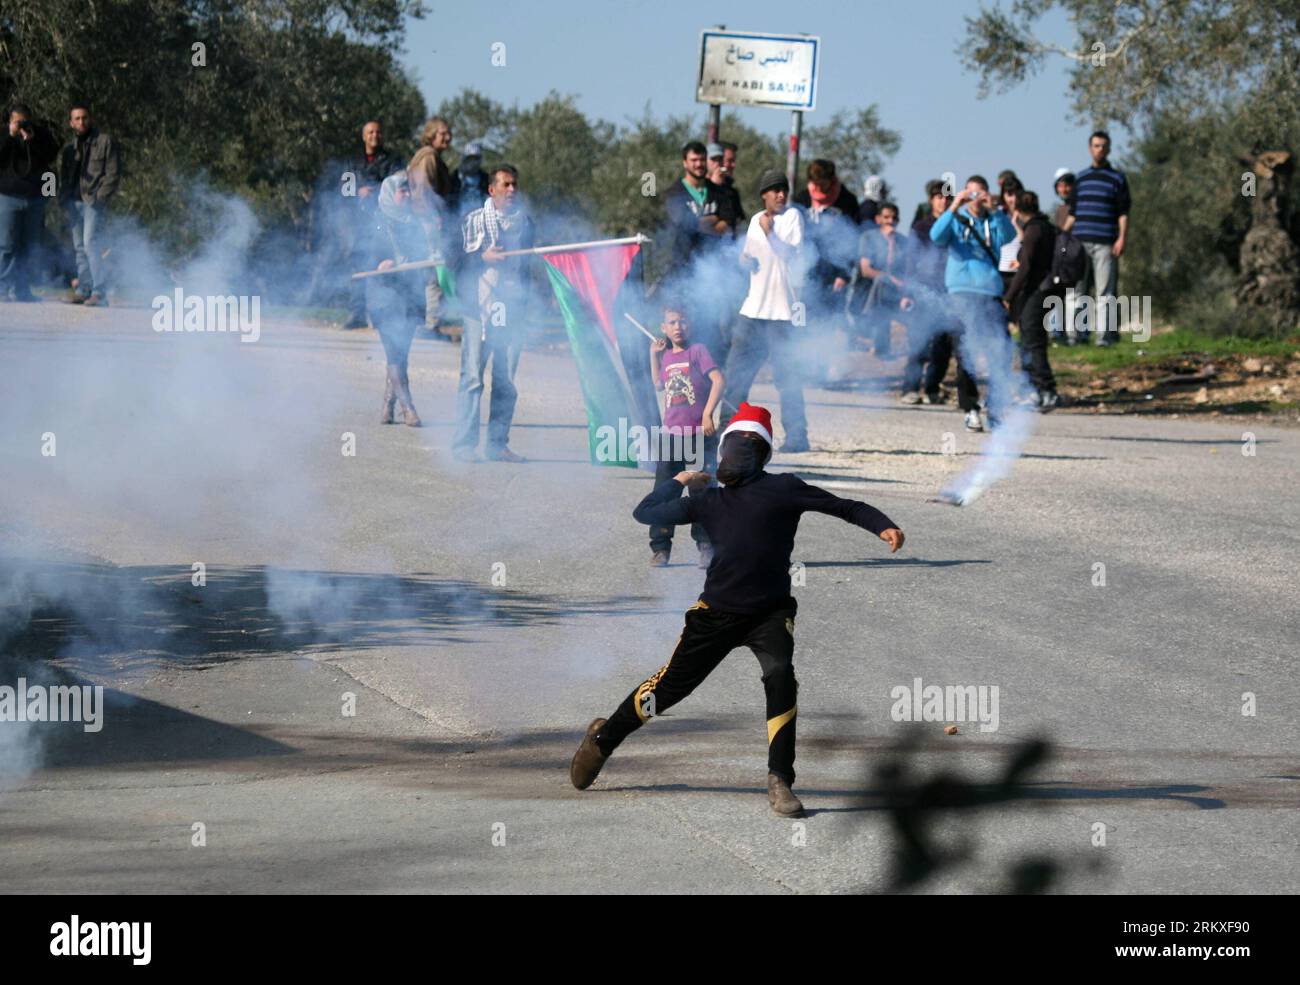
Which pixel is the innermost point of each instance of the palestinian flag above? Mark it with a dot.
(446, 280)
(587, 283)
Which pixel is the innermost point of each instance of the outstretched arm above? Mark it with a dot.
(813, 499)
(665, 506)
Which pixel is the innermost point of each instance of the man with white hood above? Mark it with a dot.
(874, 191)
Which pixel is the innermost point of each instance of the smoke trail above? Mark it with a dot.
(992, 354)
(20, 753)
(997, 457)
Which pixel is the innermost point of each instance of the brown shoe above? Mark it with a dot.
(95, 301)
(402, 390)
(588, 760)
(782, 798)
(506, 455)
(659, 559)
(76, 299)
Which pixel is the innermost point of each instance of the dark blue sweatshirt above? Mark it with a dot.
(751, 527)
(1099, 198)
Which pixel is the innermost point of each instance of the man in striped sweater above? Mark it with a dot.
(1099, 209)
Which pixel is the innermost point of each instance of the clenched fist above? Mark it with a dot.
(694, 481)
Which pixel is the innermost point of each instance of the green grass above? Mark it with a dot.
(1171, 345)
(1276, 408)
(306, 312)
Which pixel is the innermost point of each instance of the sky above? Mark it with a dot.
(618, 56)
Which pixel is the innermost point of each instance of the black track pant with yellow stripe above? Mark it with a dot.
(708, 637)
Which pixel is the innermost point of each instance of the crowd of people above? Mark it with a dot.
(740, 291)
(810, 265)
(974, 262)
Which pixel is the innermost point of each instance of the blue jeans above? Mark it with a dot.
(21, 221)
(930, 329)
(87, 221)
(362, 249)
(661, 537)
(392, 301)
(503, 347)
(985, 346)
(754, 339)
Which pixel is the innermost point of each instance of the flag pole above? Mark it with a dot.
(399, 268)
(639, 239)
(644, 331)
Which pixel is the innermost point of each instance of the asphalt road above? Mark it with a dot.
(480, 615)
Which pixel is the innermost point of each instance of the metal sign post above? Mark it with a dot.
(792, 159)
(715, 111)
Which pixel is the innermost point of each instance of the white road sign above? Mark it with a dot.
(749, 69)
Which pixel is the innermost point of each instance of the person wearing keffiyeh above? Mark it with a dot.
(494, 326)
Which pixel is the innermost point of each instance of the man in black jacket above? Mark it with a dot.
(469, 182)
(722, 171)
(694, 208)
(27, 152)
(731, 284)
(1027, 292)
(368, 167)
(700, 223)
(89, 171)
(751, 522)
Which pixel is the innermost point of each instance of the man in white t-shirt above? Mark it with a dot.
(772, 318)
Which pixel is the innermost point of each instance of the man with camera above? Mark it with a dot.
(27, 149)
(974, 232)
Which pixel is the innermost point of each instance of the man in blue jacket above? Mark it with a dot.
(974, 232)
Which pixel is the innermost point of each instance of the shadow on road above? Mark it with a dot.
(839, 477)
(52, 609)
(892, 562)
(1236, 442)
(942, 454)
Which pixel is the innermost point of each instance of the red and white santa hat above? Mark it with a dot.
(751, 418)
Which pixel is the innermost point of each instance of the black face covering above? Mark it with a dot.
(742, 459)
